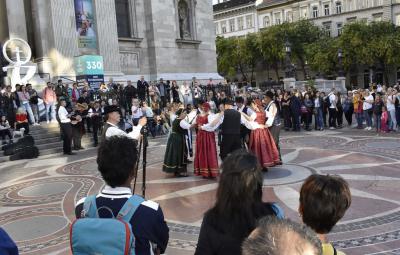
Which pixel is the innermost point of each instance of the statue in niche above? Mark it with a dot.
(184, 23)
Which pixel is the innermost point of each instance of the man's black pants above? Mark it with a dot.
(229, 144)
(66, 130)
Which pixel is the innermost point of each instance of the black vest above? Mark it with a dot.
(105, 127)
(231, 123)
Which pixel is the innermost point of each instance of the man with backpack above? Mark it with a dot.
(116, 221)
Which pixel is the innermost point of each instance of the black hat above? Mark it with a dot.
(111, 108)
(269, 94)
(239, 100)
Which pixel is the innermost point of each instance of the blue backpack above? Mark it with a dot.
(94, 235)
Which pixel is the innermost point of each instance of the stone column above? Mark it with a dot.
(16, 19)
(107, 36)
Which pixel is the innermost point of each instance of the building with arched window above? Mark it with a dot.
(172, 39)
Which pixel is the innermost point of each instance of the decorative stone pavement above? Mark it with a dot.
(37, 197)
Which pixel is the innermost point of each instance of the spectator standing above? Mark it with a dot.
(75, 94)
(49, 99)
(162, 88)
(96, 118)
(130, 93)
(332, 101)
(33, 102)
(142, 88)
(348, 108)
(367, 109)
(318, 105)
(24, 98)
(358, 108)
(378, 112)
(295, 106)
(391, 108)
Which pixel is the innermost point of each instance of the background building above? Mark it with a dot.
(168, 39)
(331, 15)
(235, 18)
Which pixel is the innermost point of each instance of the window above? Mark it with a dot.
(232, 25)
(326, 9)
(266, 21)
(216, 28)
(338, 7)
(339, 27)
(240, 23)
(123, 18)
(249, 21)
(223, 27)
(377, 18)
(397, 21)
(315, 12)
(304, 13)
(327, 28)
(277, 18)
(289, 16)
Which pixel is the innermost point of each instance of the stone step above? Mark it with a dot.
(52, 146)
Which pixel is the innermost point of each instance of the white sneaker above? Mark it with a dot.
(332, 128)
(367, 128)
(36, 124)
(48, 122)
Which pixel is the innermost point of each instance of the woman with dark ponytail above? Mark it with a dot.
(238, 207)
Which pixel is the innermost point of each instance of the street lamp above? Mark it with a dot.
(289, 67)
(340, 59)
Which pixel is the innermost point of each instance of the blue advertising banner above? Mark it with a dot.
(85, 24)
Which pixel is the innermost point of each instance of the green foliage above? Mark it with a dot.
(374, 44)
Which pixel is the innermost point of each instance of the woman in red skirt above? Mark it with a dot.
(205, 159)
(261, 142)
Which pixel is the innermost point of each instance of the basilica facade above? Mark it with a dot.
(170, 39)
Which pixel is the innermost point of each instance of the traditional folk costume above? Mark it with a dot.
(261, 141)
(230, 123)
(205, 159)
(176, 154)
(273, 122)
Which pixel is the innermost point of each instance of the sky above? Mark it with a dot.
(215, 1)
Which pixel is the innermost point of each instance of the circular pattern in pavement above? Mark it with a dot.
(286, 174)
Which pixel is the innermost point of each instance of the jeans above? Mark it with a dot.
(378, 121)
(35, 110)
(28, 109)
(50, 107)
(359, 117)
(368, 117)
(393, 121)
(319, 117)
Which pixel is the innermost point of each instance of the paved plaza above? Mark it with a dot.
(37, 197)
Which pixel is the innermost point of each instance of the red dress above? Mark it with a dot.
(205, 158)
(262, 144)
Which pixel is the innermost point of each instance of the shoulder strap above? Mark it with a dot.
(334, 250)
(130, 207)
(90, 207)
(278, 211)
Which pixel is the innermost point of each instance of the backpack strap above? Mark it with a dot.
(130, 207)
(90, 207)
(278, 211)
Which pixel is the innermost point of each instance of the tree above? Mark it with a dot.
(301, 34)
(271, 45)
(322, 55)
